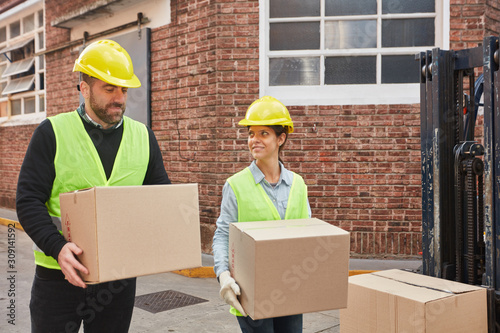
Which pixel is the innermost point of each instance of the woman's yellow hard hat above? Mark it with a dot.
(267, 111)
(107, 61)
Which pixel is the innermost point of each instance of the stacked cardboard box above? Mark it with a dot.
(401, 301)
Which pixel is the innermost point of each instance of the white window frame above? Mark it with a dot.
(346, 94)
(19, 13)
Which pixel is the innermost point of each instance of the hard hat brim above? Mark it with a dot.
(280, 121)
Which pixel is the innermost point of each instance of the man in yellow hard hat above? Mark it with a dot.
(95, 145)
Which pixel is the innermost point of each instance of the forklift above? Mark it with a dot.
(461, 168)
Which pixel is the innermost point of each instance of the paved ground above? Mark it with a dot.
(211, 315)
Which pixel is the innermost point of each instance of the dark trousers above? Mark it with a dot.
(287, 324)
(59, 307)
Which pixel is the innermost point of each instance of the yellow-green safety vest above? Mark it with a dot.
(78, 166)
(255, 205)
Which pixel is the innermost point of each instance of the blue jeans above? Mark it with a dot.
(59, 307)
(287, 324)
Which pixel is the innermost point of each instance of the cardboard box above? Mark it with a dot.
(289, 267)
(401, 301)
(129, 231)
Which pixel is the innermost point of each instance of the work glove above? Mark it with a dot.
(228, 291)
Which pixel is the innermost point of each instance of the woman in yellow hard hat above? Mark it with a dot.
(245, 198)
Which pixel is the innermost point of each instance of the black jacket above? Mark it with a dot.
(37, 176)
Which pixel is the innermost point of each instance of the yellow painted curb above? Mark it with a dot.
(7, 222)
(359, 271)
(208, 272)
(198, 272)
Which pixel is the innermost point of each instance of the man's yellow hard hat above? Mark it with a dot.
(106, 60)
(267, 111)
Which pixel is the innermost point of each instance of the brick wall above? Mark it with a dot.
(492, 18)
(361, 163)
(13, 144)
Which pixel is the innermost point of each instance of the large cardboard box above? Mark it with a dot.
(289, 267)
(129, 231)
(401, 301)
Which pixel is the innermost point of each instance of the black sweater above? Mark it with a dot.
(37, 176)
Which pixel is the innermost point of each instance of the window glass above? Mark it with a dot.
(29, 23)
(400, 69)
(40, 18)
(3, 34)
(407, 6)
(295, 36)
(3, 108)
(41, 62)
(24, 83)
(19, 67)
(350, 70)
(408, 32)
(350, 7)
(29, 105)
(350, 34)
(41, 103)
(15, 107)
(15, 29)
(294, 71)
(41, 39)
(41, 78)
(294, 8)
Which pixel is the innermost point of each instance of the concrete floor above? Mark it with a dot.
(210, 316)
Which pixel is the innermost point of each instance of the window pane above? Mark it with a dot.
(41, 78)
(294, 36)
(408, 32)
(42, 103)
(350, 34)
(15, 107)
(3, 109)
(350, 7)
(41, 43)
(293, 71)
(19, 67)
(15, 29)
(294, 8)
(18, 85)
(3, 34)
(407, 6)
(29, 105)
(350, 70)
(41, 62)
(40, 18)
(29, 23)
(400, 69)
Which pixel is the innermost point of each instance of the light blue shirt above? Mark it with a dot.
(229, 211)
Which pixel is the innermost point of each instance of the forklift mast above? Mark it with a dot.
(461, 173)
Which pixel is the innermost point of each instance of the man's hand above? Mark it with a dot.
(69, 264)
(228, 291)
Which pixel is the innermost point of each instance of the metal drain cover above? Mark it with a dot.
(165, 300)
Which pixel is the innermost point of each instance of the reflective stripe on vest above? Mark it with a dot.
(78, 166)
(255, 205)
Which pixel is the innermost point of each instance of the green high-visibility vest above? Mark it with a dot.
(255, 205)
(78, 166)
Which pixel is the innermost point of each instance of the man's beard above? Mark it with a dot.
(102, 113)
